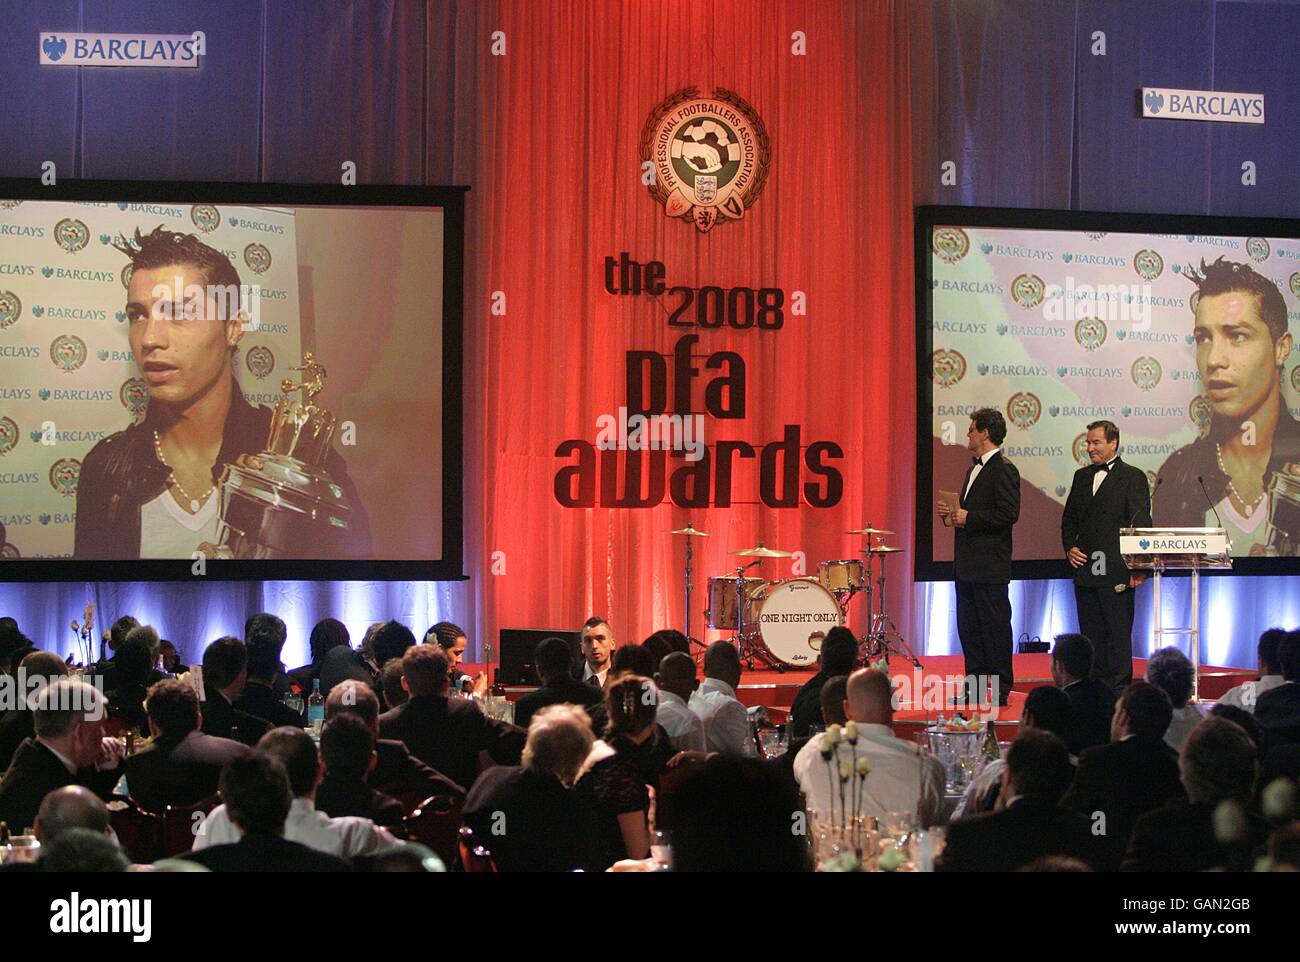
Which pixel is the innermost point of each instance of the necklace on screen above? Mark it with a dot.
(194, 503)
(1247, 509)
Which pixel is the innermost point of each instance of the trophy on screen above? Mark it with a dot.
(1284, 512)
(282, 503)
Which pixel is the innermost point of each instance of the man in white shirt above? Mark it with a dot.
(677, 683)
(726, 723)
(1246, 694)
(597, 645)
(347, 837)
(900, 778)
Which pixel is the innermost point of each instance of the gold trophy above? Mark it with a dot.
(1284, 512)
(282, 503)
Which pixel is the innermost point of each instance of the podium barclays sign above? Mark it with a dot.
(121, 49)
(1166, 103)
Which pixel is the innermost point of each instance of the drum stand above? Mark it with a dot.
(746, 639)
(883, 637)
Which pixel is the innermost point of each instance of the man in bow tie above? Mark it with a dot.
(989, 507)
(1106, 495)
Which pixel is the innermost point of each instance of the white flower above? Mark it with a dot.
(834, 734)
(863, 765)
(1230, 822)
(851, 732)
(1278, 799)
(827, 747)
(846, 770)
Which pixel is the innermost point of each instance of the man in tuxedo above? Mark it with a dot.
(1092, 703)
(1106, 495)
(225, 672)
(443, 732)
(69, 748)
(553, 658)
(1033, 824)
(597, 645)
(1134, 774)
(990, 506)
(1278, 710)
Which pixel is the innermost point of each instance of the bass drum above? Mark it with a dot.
(790, 611)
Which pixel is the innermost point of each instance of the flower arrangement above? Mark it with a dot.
(848, 775)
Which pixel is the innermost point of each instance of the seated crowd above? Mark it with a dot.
(621, 749)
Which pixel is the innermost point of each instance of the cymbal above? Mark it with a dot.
(691, 532)
(880, 549)
(764, 552)
(870, 531)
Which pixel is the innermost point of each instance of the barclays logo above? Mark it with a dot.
(19, 477)
(21, 230)
(55, 48)
(17, 270)
(19, 351)
(265, 228)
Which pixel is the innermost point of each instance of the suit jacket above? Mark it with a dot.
(398, 772)
(1124, 780)
(15, 728)
(982, 549)
(1180, 838)
(266, 853)
(1278, 714)
(542, 826)
(1010, 839)
(261, 701)
(34, 773)
(564, 690)
(448, 734)
(337, 798)
(179, 772)
(1092, 704)
(224, 720)
(1092, 524)
(806, 709)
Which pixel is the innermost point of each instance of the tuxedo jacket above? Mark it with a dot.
(35, 772)
(266, 853)
(1180, 838)
(1092, 704)
(1278, 713)
(1010, 839)
(982, 549)
(448, 733)
(398, 772)
(1124, 780)
(1091, 523)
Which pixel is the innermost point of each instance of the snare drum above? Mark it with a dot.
(723, 612)
(788, 612)
(841, 575)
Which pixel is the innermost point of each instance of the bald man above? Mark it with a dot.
(726, 723)
(72, 806)
(677, 682)
(900, 779)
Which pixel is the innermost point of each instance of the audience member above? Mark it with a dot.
(725, 720)
(1093, 702)
(225, 671)
(1246, 694)
(259, 697)
(597, 645)
(170, 659)
(454, 642)
(347, 750)
(677, 682)
(528, 816)
(68, 748)
(257, 807)
(105, 668)
(341, 664)
(839, 655)
(82, 850)
(1033, 824)
(134, 663)
(1136, 773)
(17, 724)
(633, 659)
(664, 642)
(445, 733)
(181, 765)
(1217, 768)
(553, 659)
(612, 784)
(326, 635)
(1278, 710)
(391, 683)
(71, 806)
(901, 779)
(1171, 672)
(397, 772)
(391, 640)
(347, 837)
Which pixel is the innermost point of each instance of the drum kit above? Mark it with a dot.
(781, 622)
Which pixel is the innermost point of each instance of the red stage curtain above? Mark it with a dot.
(553, 157)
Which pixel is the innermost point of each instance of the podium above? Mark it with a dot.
(1165, 549)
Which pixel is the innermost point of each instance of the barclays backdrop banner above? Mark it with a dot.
(120, 49)
(68, 377)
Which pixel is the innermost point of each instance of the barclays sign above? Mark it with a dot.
(121, 49)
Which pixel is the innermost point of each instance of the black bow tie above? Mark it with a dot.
(1101, 467)
(977, 460)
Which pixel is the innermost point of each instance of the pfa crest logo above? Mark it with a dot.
(134, 395)
(11, 308)
(949, 244)
(1200, 411)
(1258, 249)
(710, 156)
(258, 258)
(259, 361)
(1090, 332)
(1148, 264)
(950, 367)
(1024, 410)
(8, 435)
(68, 352)
(1027, 290)
(1080, 449)
(205, 217)
(63, 476)
(72, 235)
(1146, 373)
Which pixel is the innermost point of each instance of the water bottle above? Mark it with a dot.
(315, 707)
